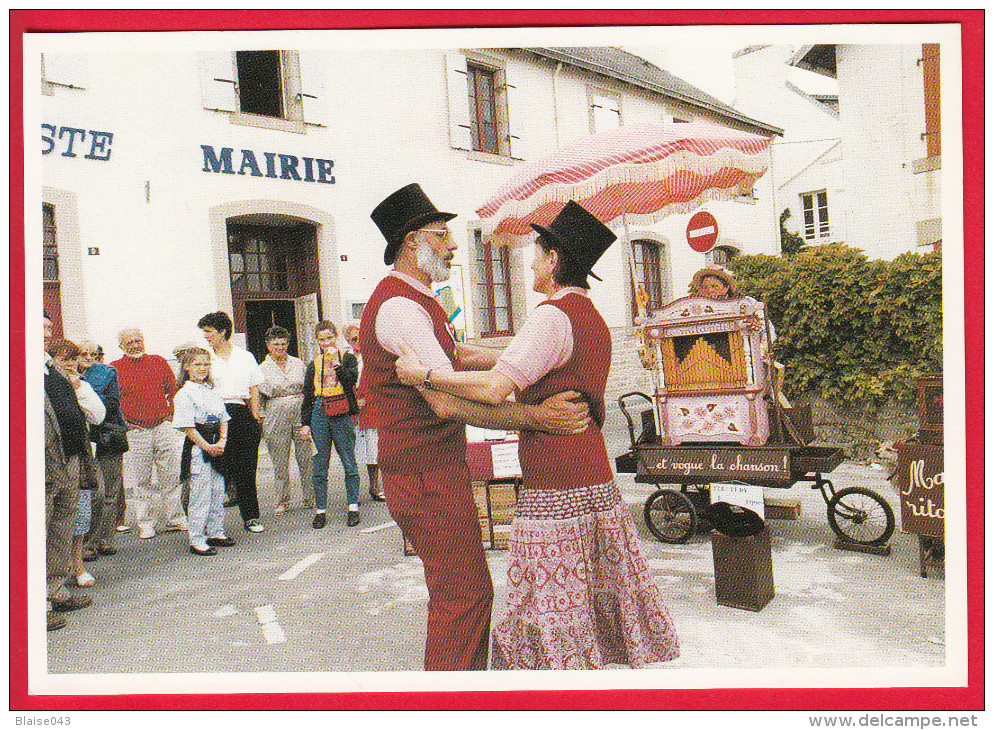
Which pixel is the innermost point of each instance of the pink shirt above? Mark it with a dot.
(543, 344)
(402, 320)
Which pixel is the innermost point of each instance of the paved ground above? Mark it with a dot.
(293, 599)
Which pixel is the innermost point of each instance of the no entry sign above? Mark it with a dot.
(702, 231)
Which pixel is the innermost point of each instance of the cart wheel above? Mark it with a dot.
(861, 515)
(670, 516)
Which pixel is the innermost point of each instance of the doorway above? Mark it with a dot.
(260, 315)
(273, 265)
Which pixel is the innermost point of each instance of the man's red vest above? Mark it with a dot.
(411, 437)
(559, 462)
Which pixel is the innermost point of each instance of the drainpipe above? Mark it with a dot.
(555, 99)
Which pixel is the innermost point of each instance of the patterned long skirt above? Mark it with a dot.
(580, 594)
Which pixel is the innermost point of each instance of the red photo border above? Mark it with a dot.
(970, 697)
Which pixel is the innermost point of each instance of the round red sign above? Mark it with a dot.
(702, 231)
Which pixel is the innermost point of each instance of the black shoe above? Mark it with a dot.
(55, 621)
(106, 550)
(320, 520)
(73, 603)
(353, 518)
(220, 541)
(198, 551)
(376, 497)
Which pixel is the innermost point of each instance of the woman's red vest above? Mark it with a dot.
(559, 462)
(411, 437)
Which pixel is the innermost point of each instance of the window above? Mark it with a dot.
(815, 215)
(721, 255)
(50, 252)
(492, 274)
(482, 103)
(51, 289)
(930, 67)
(483, 108)
(257, 256)
(648, 274)
(281, 90)
(260, 83)
(605, 111)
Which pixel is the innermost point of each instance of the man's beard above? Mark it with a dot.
(431, 262)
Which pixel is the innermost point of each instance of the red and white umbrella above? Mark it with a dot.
(639, 172)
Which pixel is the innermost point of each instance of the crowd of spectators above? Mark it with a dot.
(186, 440)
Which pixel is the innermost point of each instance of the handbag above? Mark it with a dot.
(334, 406)
(110, 438)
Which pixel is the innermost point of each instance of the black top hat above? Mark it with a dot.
(401, 212)
(583, 236)
(733, 520)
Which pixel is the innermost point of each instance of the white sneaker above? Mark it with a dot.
(123, 528)
(279, 509)
(254, 526)
(146, 532)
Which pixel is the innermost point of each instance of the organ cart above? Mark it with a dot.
(716, 417)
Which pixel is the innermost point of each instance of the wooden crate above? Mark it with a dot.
(502, 536)
(503, 499)
(743, 570)
(782, 509)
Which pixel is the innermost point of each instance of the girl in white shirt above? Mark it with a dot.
(199, 412)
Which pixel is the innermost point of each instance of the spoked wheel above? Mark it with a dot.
(670, 516)
(861, 515)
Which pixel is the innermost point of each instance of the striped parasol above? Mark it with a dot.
(640, 172)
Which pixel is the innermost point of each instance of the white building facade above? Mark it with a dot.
(806, 169)
(887, 177)
(179, 184)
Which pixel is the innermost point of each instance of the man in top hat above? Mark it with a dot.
(422, 457)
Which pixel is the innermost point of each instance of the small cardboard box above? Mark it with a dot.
(743, 570)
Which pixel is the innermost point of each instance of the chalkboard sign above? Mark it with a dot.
(919, 480)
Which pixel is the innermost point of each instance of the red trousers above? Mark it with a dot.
(436, 512)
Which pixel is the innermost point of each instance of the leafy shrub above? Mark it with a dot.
(856, 331)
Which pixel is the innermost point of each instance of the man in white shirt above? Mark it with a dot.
(237, 377)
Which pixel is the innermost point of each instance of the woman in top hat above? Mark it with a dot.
(580, 593)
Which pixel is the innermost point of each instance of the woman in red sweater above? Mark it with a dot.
(580, 593)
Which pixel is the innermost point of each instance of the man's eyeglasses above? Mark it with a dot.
(443, 234)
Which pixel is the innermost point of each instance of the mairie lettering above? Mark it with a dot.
(273, 165)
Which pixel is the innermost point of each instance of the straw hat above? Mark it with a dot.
(716, 272)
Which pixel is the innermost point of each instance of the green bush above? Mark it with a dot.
(857, 332)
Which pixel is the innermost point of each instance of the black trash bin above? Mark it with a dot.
(743, 557)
